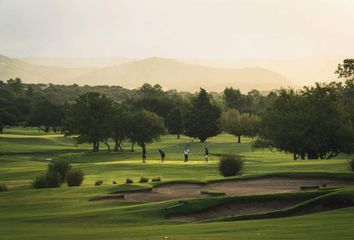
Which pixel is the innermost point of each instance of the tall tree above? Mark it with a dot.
(120, 126)
(145, 127)
(233, 98)
(202, 119)
(238, 124)
(89, 117)
(175, 122)
(46, 115)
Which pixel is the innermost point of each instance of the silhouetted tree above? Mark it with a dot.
(202, 119)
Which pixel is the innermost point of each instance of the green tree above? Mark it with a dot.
(46, 115)
(175, 122)
(346, 69)
(311, 123)
(202, 119)
(145, 127)
(6, 119)
(233, 98)
(120, 126)
(238, 124)
(89, 117)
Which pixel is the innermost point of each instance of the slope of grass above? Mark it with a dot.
(67, 213)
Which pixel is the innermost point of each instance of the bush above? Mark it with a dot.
(74, 177)
(48, 180)
(61, 167)
(351, 165)
(128, 181)
(230, 165)
(98, 183)
(143, 180)
(156, 179)
(3, 187)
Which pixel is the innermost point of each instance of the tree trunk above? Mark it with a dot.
(108, 147)
(118, 146)
(1, 129)
(96, 146)
(238, 138)
(132, 149)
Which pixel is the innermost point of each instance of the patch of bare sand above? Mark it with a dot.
(240, 208)
(231, 188)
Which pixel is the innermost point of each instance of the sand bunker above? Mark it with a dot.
(240, 208)
(231, 188)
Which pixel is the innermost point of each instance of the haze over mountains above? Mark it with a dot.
(183, 75)
(170, 73)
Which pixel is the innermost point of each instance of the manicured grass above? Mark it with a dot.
(67, 213)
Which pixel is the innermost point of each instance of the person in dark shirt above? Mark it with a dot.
(206, 154)
(162, 155)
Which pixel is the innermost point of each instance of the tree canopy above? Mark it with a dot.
(202, 120)
(311, 123)
(238, 124)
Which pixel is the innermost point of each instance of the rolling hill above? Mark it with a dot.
(170, 73)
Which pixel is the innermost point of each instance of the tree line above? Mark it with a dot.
(313, 122)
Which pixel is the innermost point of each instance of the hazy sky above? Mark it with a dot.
(224, 29)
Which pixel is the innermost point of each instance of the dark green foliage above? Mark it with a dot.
(48, 180)
(346, 69)
(3, 187)
(311, 123)
(233, 98)
(128, 181)
(120, 125)
(238, 124)
(61, 167)
(74, 177)
(230, 165)
(202, 120)
(143, 180)
(175, 122)
(145, 127)
(90, 118)
(46, 115)
(351, 165)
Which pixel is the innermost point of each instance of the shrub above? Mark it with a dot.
(128, 181)
(61, 167)
(351, 165)
(230, 165)
(3, 187)
(74, 177)
(143, 180)
(48, 180)
(98, 183)
(156, 179)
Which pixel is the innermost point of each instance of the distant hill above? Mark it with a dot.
(170, 73)
(304, 71)
(31, 73)
(71, 62)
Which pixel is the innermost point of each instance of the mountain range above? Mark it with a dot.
(169, 73)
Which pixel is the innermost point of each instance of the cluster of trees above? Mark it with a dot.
(315, 122)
